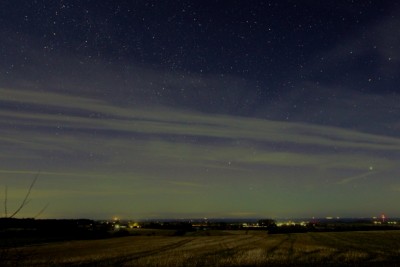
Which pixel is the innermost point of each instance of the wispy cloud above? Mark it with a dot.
(186, 184)
(102, 116)
(158, 152)
(355, 178)
(161, 133)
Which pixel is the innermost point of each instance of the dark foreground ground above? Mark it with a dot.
(216, 248)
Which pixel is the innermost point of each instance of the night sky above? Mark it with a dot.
(178, 109)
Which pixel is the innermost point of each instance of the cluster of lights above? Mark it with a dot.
(379, 222)
(291, 223)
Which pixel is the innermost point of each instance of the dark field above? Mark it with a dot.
(216, 248)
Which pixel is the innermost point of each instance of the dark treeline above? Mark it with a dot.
(66, 229)
(46, 224)
(26, 231)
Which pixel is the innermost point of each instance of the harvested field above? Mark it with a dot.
(222, 248)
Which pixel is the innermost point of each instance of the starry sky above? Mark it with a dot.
(178, 109)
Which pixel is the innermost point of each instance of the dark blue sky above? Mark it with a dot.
(184, 104)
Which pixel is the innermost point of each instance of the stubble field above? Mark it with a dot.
(217, 248)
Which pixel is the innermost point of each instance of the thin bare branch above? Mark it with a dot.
(25, 201)
(41, 211)
(5, 201)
